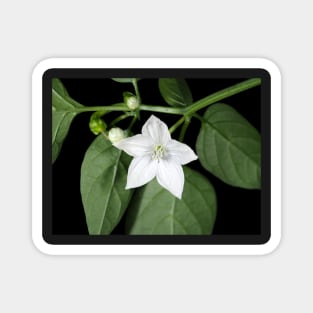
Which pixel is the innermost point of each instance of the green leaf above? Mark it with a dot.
(175, 92)
(229, 147)
(62, 115)
(156, 211)
(125, 80)
(102, 186)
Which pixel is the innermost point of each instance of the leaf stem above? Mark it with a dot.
(199, 117)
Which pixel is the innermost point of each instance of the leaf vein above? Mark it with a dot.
(110, 189)
(232, 143)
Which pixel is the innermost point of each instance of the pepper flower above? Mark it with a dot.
(156, 154)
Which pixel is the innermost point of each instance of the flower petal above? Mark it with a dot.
(170, 175)
(136, 146)
(157, 130)
(180, 152)
(141, 170)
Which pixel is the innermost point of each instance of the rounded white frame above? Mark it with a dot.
(260, 249)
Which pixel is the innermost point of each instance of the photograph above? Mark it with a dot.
(157, 156)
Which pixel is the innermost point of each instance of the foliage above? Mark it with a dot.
(227, 146)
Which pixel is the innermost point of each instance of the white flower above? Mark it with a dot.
(156, 155)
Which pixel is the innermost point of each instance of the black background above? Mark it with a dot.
(238, 210)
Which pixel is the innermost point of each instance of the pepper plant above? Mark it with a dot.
(145, 177)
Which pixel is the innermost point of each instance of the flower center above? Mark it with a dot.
(158, 152)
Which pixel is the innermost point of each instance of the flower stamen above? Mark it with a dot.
(158, 152)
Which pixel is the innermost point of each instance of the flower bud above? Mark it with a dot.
(131, 100)
(116, 134)
(96, 124)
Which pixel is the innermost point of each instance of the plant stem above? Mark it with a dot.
(119, 118)
(109, 108)
(222, 94)
(177, 124)
(199, 117)
(161, 109)
(198, 105)
(131, 124)
(184, 128)
(135, 84)
(122, 107)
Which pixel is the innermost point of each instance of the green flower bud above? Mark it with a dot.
(116, 134)
(96, 124)
(131, 100)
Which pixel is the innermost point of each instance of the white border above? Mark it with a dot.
(156, 249)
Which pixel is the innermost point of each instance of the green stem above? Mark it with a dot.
(198, 105)
(184, 128)
(109, 108)
(177, 124)
(131, 124)
(119, 118)
(122, 107)
(161, 109)
(136, 89)
(105, 136)
(222, 94)
(199, 117)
